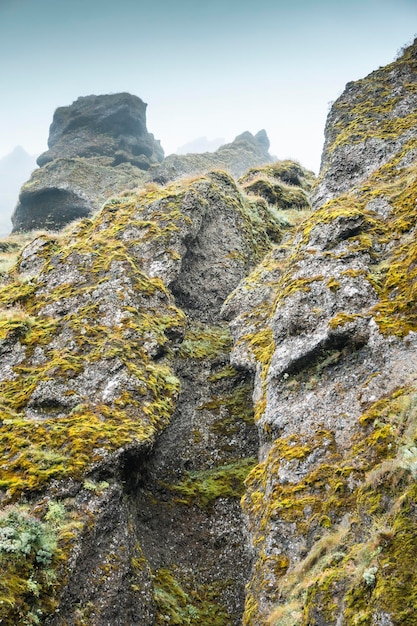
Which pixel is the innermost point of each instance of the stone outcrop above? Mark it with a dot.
(98, 146)
(66, 190)
(181, 351)
(111, 126)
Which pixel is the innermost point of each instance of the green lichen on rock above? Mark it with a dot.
(348, 512)
(202, 342)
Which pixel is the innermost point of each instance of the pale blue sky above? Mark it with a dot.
(213, 68)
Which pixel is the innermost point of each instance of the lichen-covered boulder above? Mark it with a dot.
(180, 350)
(328, 324)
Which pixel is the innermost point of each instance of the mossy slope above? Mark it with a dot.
(327, 322)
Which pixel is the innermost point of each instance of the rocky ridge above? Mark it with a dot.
(99, 146)
(133, 418)
(244, 152)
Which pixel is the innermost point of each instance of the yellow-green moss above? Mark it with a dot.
(184, 602)
(205, 342)
(203, 487)
(369, 112)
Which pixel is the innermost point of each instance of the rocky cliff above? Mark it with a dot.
(208, 404)
(327, 324)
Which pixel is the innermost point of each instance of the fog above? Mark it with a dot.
(206, 70)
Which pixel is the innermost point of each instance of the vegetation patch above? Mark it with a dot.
(31, 551)
(180, 600)
(203, 487)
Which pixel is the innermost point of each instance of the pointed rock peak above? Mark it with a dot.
(260, 140)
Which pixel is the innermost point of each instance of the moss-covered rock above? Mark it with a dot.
(327, 322)
(284, 184)
(368, 125)
(105, 330)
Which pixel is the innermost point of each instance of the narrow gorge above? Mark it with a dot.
(208, 380)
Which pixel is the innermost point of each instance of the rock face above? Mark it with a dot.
(179, 352)
(66, 190)
(372, 121)
(98, 146)
(327, 323)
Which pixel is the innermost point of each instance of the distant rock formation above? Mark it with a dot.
(245, 151)
(111, 125)
(68, 189)
(201, 144)
(98, 146)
